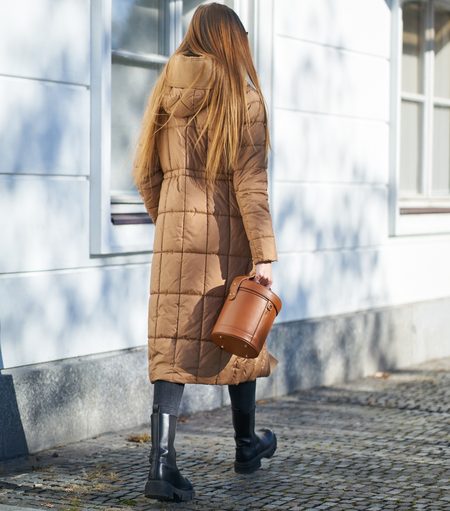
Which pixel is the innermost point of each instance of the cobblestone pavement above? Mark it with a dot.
(380, 443)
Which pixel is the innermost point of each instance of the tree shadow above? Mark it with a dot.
(331, 215)
(79, 305)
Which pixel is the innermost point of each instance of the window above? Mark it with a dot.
(130, 42)
(139, 49)
(424, 169)
(144, 34)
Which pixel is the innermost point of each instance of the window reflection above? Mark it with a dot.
(411, 143)
(137, 26)
(442, 52)
(413, 46)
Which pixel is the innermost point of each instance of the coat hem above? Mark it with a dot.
(188, 378)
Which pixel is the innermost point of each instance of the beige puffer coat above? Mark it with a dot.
(204, 237)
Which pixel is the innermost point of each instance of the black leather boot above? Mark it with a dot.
(164, 479)
(250, 446)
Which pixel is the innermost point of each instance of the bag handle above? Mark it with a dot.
(236, 283)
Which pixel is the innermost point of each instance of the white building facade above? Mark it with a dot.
(358, 93)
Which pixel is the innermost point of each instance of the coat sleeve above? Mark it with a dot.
(150, 190)
(250, 186)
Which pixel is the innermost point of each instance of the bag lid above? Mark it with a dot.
(248, 282)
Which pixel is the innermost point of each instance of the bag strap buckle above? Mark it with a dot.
(235, 285)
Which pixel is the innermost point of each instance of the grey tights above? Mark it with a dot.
(168, 396)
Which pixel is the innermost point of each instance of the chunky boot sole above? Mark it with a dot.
(164, 491)
(247, 467)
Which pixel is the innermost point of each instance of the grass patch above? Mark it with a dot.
(76, 488)
(101, 473)
(101, 487)
(128, 502)
(74, 505)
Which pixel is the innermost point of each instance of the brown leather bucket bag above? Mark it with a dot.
(246, 317)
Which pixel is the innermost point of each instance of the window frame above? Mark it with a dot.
(120, 233)
(414, 214)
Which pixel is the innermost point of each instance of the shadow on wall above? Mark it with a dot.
(12, 436)
(331, 195)
(57, 292)
(83, 312)
(13, 442)
(88, 304)
(45, 69)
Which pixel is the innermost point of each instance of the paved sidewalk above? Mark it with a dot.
(380, 443)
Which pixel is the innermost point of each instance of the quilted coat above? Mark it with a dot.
(204, 237)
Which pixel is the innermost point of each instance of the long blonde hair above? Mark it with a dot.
(215, 31)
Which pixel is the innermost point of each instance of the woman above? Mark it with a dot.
(201, 168)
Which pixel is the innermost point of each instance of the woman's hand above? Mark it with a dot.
(263, 274)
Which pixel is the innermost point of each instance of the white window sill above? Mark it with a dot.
(412, 221)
